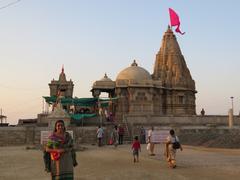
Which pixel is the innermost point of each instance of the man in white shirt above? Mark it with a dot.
(150, 141)
(100, 135)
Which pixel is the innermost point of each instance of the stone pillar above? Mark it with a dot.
(58, 114)
(230, 118)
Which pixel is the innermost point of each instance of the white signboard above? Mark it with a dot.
(46, 134)
(160, 136)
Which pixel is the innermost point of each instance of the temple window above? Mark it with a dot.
(141, 96)
(180, 99)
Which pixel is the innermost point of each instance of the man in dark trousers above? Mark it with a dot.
(120, 134)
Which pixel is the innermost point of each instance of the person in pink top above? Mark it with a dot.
(136, 147)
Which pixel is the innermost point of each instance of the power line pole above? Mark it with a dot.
(232, 102)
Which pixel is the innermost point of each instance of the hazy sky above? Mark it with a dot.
(91, 37)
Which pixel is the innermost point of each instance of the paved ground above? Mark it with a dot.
(107, 163)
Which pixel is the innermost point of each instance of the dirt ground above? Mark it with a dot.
(108, 163)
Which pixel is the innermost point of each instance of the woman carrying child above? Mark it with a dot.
(172, 145)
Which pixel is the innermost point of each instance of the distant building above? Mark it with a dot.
(61, 87)
(2, 119)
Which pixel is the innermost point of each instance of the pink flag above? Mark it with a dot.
(174, 19)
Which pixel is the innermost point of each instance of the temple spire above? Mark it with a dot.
(62, 76)
(170, 66)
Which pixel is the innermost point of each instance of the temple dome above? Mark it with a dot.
(105, 78)
(104, 83)
(134, 72)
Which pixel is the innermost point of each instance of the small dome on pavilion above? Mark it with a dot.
(105, 78)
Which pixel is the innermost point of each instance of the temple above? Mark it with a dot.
(135, 94)
(163, 98)
(170, 90)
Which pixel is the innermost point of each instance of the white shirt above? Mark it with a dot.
(150, 134)
(99, 133)
(172, 139)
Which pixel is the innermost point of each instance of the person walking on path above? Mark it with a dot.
(120, 134)
(100, 134)
(172, 144)
(136, 148)
(114, 136)
(150, 141)
(62, 155)
(142, 135)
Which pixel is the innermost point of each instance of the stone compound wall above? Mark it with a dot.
(12, 136)
(21, 135)
(195, 130)
(221, 137)
(182, 120)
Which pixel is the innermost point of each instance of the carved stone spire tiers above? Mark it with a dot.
(62, 76)
(170, 66)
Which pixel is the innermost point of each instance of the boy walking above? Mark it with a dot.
(136, 147)
(100, 135)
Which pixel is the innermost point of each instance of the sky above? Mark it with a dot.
(93, 37)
